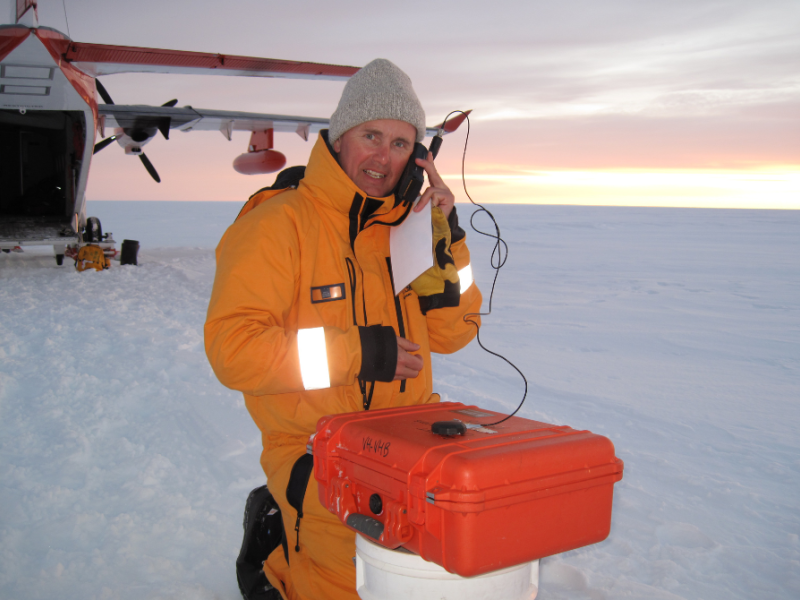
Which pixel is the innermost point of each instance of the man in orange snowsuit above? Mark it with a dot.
(304, 318)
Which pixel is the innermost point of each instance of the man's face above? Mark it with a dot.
(375, 153)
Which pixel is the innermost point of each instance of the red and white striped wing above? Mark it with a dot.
(103, 59)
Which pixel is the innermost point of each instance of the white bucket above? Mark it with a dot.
(383, 574)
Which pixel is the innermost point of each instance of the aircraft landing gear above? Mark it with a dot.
(93, 232)
(59, 251)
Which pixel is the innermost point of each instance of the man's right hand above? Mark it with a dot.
(408, 365)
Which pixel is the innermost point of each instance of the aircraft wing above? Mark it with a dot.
(187, 118)
(104, 59)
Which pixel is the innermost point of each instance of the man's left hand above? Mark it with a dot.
(437, 193)
(408, 365)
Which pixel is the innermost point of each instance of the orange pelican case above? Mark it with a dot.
(474, 503)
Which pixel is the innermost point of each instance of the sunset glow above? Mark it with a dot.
(777, 188)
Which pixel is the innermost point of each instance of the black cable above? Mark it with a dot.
(497, 260)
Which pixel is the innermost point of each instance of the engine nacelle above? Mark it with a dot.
(259, 162)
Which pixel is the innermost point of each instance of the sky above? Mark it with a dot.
(612, 102)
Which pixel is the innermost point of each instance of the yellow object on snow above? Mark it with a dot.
(91, 257)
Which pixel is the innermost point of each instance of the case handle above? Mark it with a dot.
(366, 525)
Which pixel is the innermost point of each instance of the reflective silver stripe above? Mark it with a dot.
(313, 358)
(465, 277)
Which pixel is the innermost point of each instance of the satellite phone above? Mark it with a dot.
(410, 184)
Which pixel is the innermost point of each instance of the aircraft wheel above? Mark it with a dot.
(59, 259)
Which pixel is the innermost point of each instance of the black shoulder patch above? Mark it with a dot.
(287, 178)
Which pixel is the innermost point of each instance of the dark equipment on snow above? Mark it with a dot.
(129, 253)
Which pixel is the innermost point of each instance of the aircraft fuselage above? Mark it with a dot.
(48, 122)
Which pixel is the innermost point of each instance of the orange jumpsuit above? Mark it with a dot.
(307, 272)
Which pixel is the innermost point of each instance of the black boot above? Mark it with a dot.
(263, 532)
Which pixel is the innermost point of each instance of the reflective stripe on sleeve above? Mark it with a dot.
(313, 358)
(465, 277)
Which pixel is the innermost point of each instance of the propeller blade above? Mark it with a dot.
(163, 124)
(149, 166)
(103, 143)
(103, 93)
(163, 127)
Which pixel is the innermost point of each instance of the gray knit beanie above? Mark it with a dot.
(379, 90)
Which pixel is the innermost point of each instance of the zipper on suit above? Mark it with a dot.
(398, 309)
(352, 275)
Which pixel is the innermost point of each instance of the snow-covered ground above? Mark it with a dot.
(124, 464)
